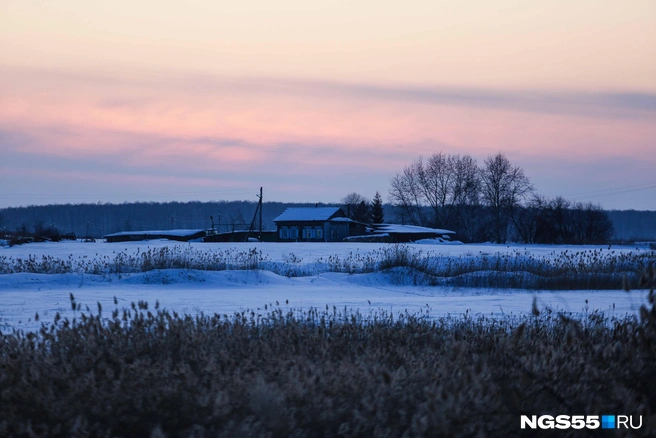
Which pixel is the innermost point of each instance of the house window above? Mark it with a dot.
(284, 233)
(305, 233)
(293, 233)
(319, 232)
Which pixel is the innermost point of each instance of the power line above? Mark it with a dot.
(615, 190)
(621, 192)
(50, 195)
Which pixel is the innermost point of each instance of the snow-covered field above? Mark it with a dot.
(22, 295)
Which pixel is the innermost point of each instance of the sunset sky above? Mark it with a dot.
(140, 100)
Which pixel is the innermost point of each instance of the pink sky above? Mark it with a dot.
(126, 101)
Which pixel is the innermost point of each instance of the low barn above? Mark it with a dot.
(316, 224)
(410, 233)
(179, 235)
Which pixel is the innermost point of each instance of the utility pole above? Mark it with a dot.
(258, 209)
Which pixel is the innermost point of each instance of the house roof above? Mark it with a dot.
(308, 214)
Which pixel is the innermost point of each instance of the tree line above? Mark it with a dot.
(361, 209)
(492, 202)
(99, 219)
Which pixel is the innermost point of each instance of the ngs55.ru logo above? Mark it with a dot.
(581, 422)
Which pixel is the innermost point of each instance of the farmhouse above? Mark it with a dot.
(318, 224)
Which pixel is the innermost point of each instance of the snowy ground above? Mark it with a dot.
(191, 292)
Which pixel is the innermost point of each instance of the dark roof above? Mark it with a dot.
(309, 214)
(177, 233)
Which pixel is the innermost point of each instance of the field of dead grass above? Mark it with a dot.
(317, 373)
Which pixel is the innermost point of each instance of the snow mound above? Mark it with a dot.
(438, 241)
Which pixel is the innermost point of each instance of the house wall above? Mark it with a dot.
(357, 229)
(336, 231)
(312, 231)
(317, 231)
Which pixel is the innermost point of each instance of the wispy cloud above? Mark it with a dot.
(600, 104)
(581, 103)
(311, 140)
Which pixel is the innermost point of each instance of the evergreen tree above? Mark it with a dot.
(377, 215)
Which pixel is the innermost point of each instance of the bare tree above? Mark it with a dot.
(435, 180)
(362, 213)
(560, 221)
(466, 189)
(535, 221)
(433, 192)
(503, 186)
(466, 182)
(558, 228)
(406, 194)
(353, 204)
(590, 224)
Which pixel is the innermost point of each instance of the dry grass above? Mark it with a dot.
(144, 372)
(580, 270)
